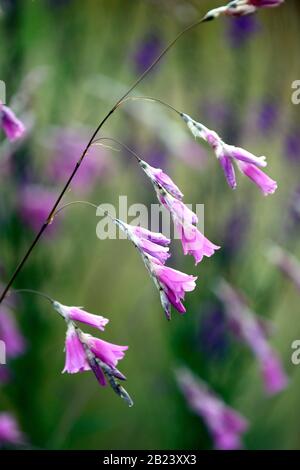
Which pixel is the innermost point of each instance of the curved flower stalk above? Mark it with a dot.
(228, 155)
(12, 126)
(225, 424)
(169, 195)
(10, 433)
(286, 262)
(153, 248)
(253, 331)
(241, 7)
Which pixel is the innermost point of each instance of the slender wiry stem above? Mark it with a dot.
(85, 151)
(151, 99)
(139, 159)
(35, 292)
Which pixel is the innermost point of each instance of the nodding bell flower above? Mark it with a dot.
(12, 126)
(192, 240)
(253, 331)
(228, 155)
(224, 423)
(85, 352)
(241, 8)
(172, 284)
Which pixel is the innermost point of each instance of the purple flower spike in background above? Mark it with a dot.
(225, 425)
(12, 126)
(253, 331)
(35, 203)
(147, 50)
(10, 333)
(286, 262)
(241, 29)
(228, 155)
(10, 433)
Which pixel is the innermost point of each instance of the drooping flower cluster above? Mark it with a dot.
(253, 331)
(185, 220)
(12, 126)
(153, 248)
(224, 423)
(228, 155)
(241, 7)
(85, 352)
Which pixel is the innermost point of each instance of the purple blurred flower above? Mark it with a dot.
(9, 430)
(9, 333)
(35, 203)
(12, 126)
(212, 336)
(67, 145)
(291, 149)
(286, 262)
(241, 29)
(146, 52)
(236, 230)
(267, 116)
(253, 331)
(225, 424)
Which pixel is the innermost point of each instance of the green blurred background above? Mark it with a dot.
(235, 78)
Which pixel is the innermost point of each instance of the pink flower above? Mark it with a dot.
(224, 423)
(151, 243)
(78, 314)
(193, 241)
(228, 155)
(153, 249)
(9, 333)
(263, 181)
(158, 177)
(12, 126)
(9, 430)
(168, 194)
(82, 349)
(251, 329)
(76, 360)
(241, 7)
(172, 285)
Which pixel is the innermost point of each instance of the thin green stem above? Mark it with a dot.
(35, 292)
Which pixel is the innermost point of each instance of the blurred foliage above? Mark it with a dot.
(224, 84)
